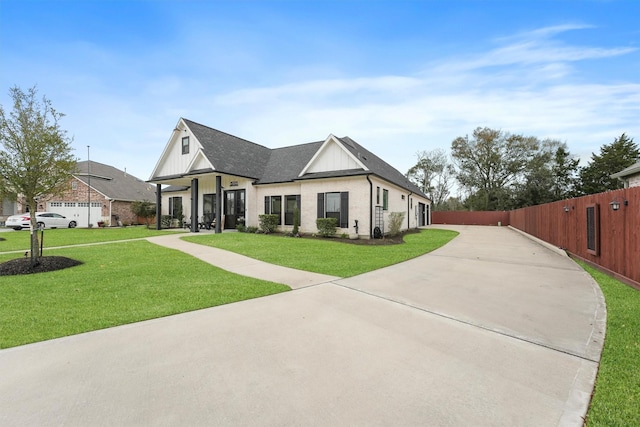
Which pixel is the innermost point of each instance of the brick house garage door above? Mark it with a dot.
(78, 211)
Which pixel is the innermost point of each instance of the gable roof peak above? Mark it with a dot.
(188, 122)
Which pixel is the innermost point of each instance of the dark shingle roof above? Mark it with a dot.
(114, 183)
(285, 164)
(378, 166)
(230, 154)
(236, 156)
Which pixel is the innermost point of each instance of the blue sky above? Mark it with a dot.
(396, 76)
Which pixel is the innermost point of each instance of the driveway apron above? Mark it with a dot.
(492, 329)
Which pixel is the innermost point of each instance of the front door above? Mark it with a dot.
(233, 208)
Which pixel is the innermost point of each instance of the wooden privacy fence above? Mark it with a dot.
(587, 227)
(591, 228)
(471, 218)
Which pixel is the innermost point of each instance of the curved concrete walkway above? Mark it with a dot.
(492, 329)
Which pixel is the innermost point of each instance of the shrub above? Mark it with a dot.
(144, 209)
(268, 223)
(165, 221)
(240, 225)
(252, 229)
(326, 226)
(395, 222)
(296, 221)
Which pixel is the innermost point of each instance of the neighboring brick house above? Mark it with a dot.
(7, 208)
(111, 193)
(202, 169)
(630, 176)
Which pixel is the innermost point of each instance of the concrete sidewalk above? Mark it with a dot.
(241, 264)
(492, 329)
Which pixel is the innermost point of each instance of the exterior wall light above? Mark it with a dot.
(566, 208)
(615, 205)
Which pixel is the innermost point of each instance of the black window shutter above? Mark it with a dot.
(320, 205)
(267, 209)
(344, 209)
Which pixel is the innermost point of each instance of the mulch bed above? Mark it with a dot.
(372, 242)
(45, 264)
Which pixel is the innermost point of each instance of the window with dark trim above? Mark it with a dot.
(175, 207)
(377, 195)
(593, 229)
(290, 205)
(385, 200)
(185, 145)
(334, 205)
(273, 206)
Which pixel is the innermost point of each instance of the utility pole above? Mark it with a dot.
(88, 189)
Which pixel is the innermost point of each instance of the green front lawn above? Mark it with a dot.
(324, 255)
(20, 240)
(616, 399)
(118, 283)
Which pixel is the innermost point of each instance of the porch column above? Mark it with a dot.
(219, 206)
(194, 206)
(158, 206)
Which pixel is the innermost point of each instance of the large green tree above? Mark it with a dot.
(549, 176)
(489, 164)
(36, 158)
(614, 157)
(432, 174)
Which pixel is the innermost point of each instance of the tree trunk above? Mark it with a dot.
(35, 250)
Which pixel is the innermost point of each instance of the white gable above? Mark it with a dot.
(199, 162)
(172, 161)
(332, 156)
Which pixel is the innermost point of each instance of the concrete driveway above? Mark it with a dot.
(492, 329)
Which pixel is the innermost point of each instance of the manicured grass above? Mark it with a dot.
(616, 399)
(118, 283)
(323, 255)
(20, 240)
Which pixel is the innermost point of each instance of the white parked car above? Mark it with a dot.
(45, 220)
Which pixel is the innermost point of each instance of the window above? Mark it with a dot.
(185, 145)
(385, 200)
(57, 204)
(377, 195)
(273, 206)
(593, 229)
(334, 205)
(175, 207)
(74, 185)
(290, 205)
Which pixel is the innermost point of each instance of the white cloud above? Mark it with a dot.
(531, 92)
(530, 83)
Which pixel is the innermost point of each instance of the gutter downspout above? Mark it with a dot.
(370, 207)
(409, 210)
